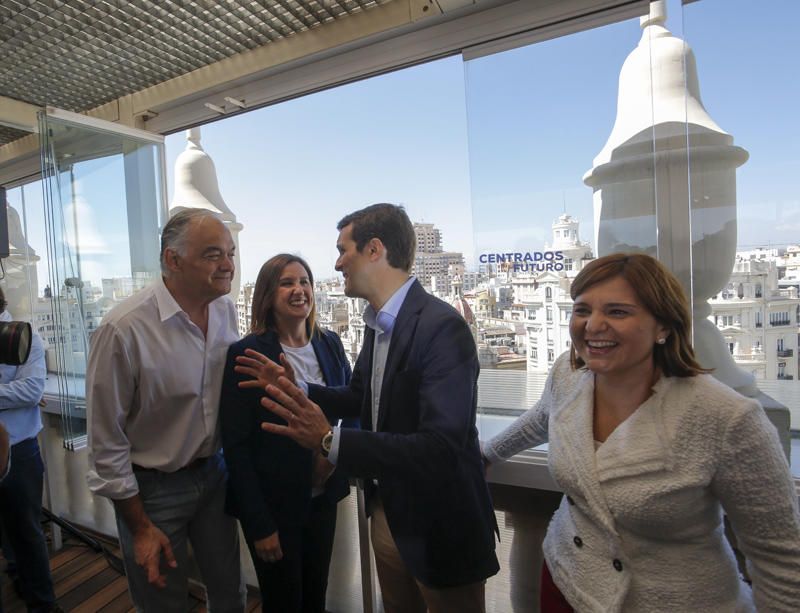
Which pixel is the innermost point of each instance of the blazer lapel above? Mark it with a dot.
(318, 342)
(364, 363)
(639, 444)
(402, 334)
(572, 455)
(269, 345)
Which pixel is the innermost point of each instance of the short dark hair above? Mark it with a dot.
(262, 316)
(660, 293)
(3, 303)
(390, 224)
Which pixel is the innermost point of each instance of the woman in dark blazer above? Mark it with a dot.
(286, 507)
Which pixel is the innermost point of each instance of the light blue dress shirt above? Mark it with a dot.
(21, 389)
(382, 323)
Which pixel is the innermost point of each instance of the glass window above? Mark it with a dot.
(743, 183)
(26, 282)
(699, 168)
(529, 195)
(102, 209)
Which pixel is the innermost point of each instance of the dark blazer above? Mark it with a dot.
(269, 483)
(425, 452)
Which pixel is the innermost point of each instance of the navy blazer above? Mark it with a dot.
(425, 452)
(269, 482)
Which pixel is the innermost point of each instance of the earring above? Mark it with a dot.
(661, 341)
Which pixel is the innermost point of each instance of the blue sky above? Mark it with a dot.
(494, 149)
(291, 171)
(490, 150)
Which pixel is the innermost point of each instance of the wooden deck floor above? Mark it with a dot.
(85, 583)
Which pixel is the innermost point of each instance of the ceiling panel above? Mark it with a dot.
(84, 53)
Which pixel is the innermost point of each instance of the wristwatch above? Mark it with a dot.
(325, 445)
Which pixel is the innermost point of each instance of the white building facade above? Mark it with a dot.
(758, 318)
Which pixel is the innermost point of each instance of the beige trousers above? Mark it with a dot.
(404, 594)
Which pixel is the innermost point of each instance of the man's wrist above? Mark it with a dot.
(325, 444)
(133, 514)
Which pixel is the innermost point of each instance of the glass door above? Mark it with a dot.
(104, 201)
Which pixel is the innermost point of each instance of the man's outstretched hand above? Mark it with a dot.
(263, 371)
(306, 424)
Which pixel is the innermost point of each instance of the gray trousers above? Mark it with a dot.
(188, 507)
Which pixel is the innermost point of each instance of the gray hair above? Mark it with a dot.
(173, 236)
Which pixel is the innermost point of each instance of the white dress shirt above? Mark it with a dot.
(152, 388)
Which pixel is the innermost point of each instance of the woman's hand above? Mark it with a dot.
(263, 371)
(269, 548)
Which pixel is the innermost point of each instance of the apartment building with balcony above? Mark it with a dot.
(758, 317)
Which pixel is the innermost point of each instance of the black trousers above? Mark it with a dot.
(298, 582)
(21, 515)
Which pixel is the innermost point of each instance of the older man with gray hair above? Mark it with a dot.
(153, 384)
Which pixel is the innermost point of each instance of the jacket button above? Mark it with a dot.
(570, 500)
(617, 565)
(578, 541)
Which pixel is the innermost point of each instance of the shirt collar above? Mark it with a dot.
(167, 305)
(383, 321)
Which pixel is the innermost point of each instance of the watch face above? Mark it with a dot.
(327, 441)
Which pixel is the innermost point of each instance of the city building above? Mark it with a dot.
(433, 267)
(758, 318)
(244, 301)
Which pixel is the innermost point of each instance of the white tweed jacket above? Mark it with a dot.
(640, 526)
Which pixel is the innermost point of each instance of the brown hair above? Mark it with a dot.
(390, 224)
(660, 293)
(262, 317)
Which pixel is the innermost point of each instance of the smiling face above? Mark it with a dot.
(612, 332)
(294, 298)
(353, 264)
(205, 269)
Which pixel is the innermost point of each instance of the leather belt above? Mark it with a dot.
(193, 465)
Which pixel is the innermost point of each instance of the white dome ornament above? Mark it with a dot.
(197, 187)
(646, 191)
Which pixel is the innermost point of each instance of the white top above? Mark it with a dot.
(304, 362)
(306, 368)
(152, 388)
(646, 507)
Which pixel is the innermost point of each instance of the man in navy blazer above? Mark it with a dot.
(415, 390)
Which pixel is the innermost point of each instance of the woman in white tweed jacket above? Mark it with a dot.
(650, 452)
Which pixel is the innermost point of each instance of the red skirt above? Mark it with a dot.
(551, 600)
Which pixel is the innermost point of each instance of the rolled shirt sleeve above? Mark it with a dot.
(110, 384)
